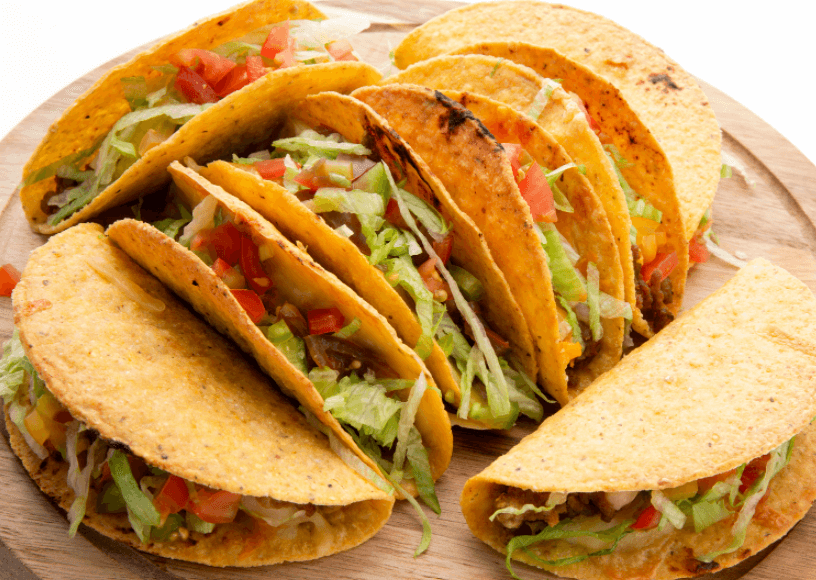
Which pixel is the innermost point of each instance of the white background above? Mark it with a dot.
(763, 58)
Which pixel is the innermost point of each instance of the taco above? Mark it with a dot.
(664, 96)
(694, 453)
(116, 141)
(140, 421)
(643, 230)
(543, 223)
(306, 329)
(329, 181)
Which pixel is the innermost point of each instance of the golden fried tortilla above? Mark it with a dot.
(477, 173)
(170, 388)
(215, 132)
(500, 78)
(729, 381)
(664, 96)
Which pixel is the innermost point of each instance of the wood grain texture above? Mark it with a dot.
(773, 218)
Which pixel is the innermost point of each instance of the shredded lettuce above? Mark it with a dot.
(611, 535)
(670, 511)
(593, 301)
(780, 457)
(311, 142)
(138, 504)
(565, 278)
(497, 391)
(171, 226)
(290, 345)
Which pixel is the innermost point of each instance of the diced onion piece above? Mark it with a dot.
(620, 499)
(203, 217)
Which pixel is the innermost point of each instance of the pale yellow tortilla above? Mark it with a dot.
(727, 382)
(519, 86)
(302, 282)
(170, 388)
(237, 118)
(664, 96)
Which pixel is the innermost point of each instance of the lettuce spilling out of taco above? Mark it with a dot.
(544, 224)
(188, 94)
(619, 155)
(307, 330)
(694, 453)
(141, 422)
(339, 181)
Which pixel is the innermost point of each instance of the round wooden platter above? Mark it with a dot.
(768, 214)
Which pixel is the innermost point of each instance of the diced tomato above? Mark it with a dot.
(753, 471)
(194, 88)
(698, 251)
(276, 41)
(537, 193)
(231, 277)
(444, 248)
(237, 79)
(9, 276)
(325, 320)
(341, 50)
(433, 282)
(208, 65)
(215, 507)
(270, 168)
(225, 240)
(514, 153)
(286, 58)
(251, 267)
(173, 496)
(255, 68)
(648, 519)
(251, 303)
(392, 214)
(315, 177)
(663, 263)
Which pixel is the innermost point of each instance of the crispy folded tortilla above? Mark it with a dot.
(208, 135)
(173, 391)
(306, 285)
(495, 74)
(360, 124)
(476, 171)
(665, 97)
(729, 381)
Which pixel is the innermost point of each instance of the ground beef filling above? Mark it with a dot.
(577, 504)
(653, 297)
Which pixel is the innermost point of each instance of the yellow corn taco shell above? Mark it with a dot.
(306, 285)
(208, 135)
(359, 124)
(170, 389)
(665, 97)
(729, 381)
(501, 79)
(477, 173)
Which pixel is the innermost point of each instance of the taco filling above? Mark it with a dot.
(174, 93)
(584, 525)
(575, 278)
(652, 256)
(411, 243)
(107, 478)
(357, 385)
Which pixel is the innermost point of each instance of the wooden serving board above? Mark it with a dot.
(774, 216)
